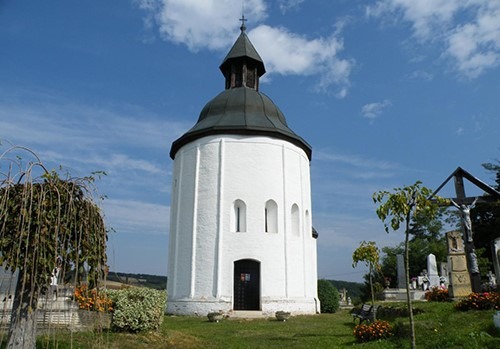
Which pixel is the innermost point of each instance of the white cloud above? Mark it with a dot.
(130, 216)
(128, 143)
(58, 122)
(204, 25)
(287, 53)
(476, 45)
(426, 16)
(201, 24)
(286, 5)
(469, 30)
(421, 75)
(122, 162)
(353, 160)
(373, 110)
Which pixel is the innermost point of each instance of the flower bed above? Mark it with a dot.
(379, 329)
(479, 301)
(437, 294)
(92, 300)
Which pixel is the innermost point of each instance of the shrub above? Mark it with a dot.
(379, 329)
(437, 294)
(328, 296)
(479, 301)
(92, 300)
(137, 309)
(391, 312)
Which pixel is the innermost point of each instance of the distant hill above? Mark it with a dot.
(353, 288)
(157, 282)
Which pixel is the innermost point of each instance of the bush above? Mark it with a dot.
(137, 309)
(479, 301)
(379, 329)
(437, 294)
(328, 296)
(391, 312)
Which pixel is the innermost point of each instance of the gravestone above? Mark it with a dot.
(432, 271)
(496, 258)
(401, 271)
(343, 296)
(492, 282)
(443, 274)
(458, 277)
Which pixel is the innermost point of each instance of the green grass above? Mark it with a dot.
(439, 326)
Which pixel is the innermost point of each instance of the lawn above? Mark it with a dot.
(438, 326)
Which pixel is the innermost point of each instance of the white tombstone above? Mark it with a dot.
(432, 271)
(496, 259)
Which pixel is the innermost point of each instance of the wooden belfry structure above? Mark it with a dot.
(464, 203)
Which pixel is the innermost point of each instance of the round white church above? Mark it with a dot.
(241, 237)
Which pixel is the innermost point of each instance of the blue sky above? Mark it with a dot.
(387, 92)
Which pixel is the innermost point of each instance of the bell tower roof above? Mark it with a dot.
(243, 49)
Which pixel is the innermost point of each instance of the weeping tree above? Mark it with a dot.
(368, 253)
(399, 207)
(47, 221)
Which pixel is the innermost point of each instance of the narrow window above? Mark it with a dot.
(265, 214)
(239, 222)
(238, 218)
(238, 80)
(251, 78)
(308, 225)
(271, 217)
(295, 220)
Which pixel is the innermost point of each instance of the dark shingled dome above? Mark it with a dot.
(241, 109)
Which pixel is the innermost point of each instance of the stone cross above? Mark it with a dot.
(458, 272)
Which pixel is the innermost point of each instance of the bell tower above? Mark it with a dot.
(241, 235)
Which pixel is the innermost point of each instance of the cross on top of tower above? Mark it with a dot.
(243, 20)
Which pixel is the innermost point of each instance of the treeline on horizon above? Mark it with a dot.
(159, 282)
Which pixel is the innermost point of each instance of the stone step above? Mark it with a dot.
(246, 314)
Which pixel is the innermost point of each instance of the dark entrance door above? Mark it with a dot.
(246, 285)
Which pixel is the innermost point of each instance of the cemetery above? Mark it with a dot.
(242, 252)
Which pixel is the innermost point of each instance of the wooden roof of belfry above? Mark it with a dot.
(243, 49)
(241, 110)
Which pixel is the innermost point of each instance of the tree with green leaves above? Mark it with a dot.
(426, 236)
(369, 253)
(485, 219)
(328, 297)
(399, 207)
(46, 222)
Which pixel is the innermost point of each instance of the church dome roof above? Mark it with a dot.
(241, 109)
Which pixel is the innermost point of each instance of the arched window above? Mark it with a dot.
(308, 225)
(271, 217)
(239, 216)
(295, 220)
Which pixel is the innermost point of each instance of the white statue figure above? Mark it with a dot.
(465, 214)
(55, 275)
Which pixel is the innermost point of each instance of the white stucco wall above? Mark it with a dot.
(210, 174)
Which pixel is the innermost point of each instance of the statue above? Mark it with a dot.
(474, 267)
(465, 214)
(492, 280)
